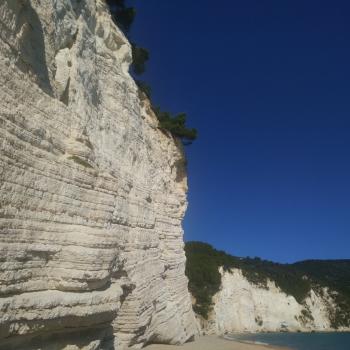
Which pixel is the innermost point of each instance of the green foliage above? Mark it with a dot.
(176, 125)
(144, 87)
(140, 56)
(204, 277)
(122, 15)
(306, 314)
(334, 274)
(203, 262)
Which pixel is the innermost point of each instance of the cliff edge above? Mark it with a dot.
(92, 192)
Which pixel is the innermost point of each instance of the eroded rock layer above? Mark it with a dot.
(92, 193)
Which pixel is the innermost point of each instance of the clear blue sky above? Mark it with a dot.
(267, 85)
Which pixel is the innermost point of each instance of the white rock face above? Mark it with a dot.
(92, 193)
(242, 306)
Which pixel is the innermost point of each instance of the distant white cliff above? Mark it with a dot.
(242, 306)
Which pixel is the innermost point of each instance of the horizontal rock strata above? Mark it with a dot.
(92, 193)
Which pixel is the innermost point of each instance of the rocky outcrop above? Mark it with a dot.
(242, 306)
(92, 193)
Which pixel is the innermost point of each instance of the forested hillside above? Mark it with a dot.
(202, 269)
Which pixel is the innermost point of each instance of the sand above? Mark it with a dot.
(212, 343)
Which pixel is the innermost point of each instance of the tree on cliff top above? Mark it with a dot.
(124, 17)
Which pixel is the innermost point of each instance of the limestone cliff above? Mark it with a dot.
(242, 306)
(92, 193)
(235, 294)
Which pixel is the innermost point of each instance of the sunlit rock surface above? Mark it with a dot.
(92, 193)
(243, 306)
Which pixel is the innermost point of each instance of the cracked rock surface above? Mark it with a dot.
(92, 193)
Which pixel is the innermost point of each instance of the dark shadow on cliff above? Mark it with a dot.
(28, 43)
(82, 338)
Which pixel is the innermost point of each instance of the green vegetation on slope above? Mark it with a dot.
(140, 56)
(202, 270)
(334, 274)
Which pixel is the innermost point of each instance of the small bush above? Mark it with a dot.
(140, 56)
(122, 15)
(307, 314)
(176, 125)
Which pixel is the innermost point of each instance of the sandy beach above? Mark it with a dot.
(212, 343)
